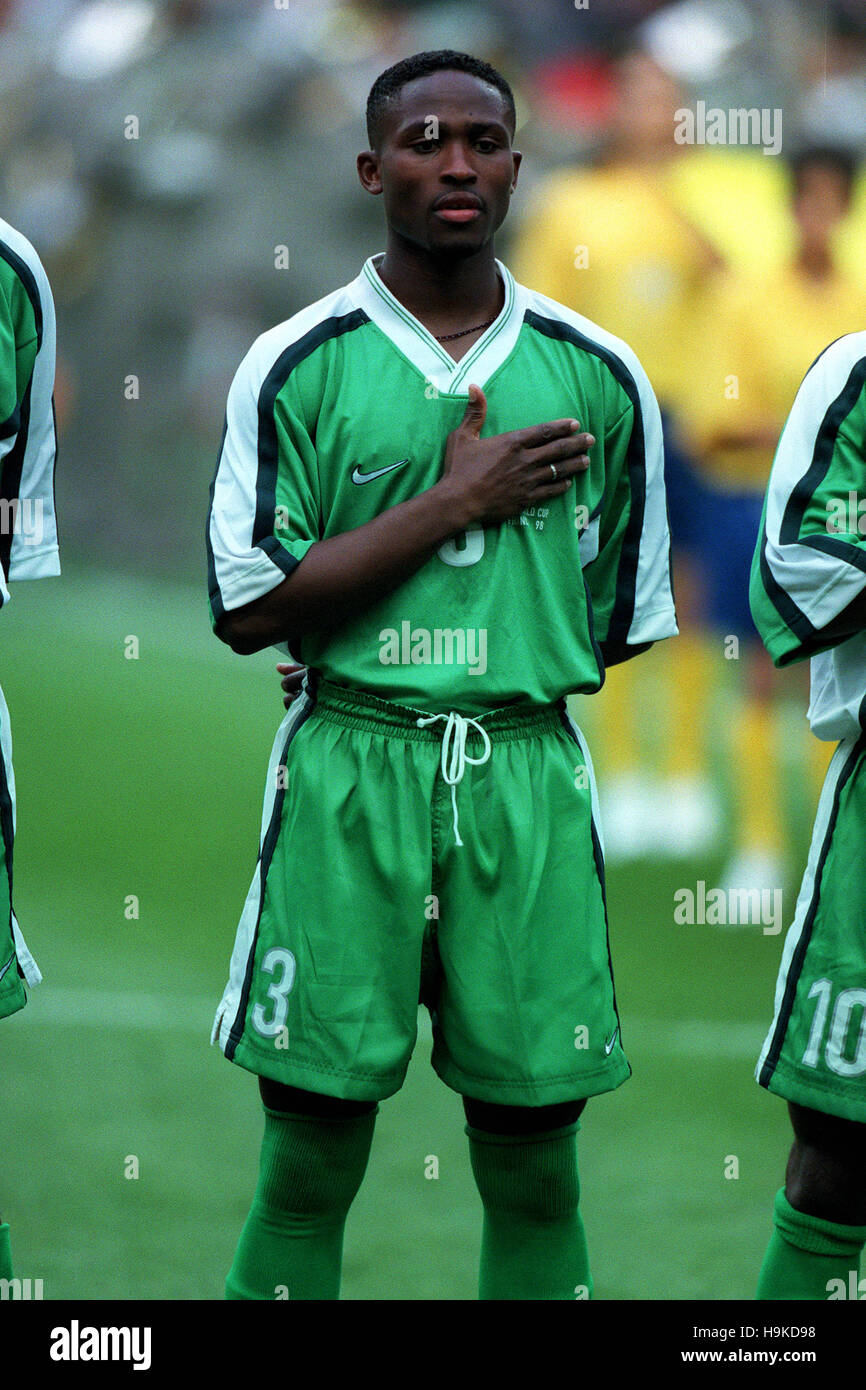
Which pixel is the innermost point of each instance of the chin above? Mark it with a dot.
(456, 248)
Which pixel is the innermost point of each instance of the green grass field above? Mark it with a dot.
(145, 777)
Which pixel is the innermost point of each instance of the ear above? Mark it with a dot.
(516, 157)
(368, 171)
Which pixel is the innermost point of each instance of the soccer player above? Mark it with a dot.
(28, 539)
(445, 493)
(808, 595)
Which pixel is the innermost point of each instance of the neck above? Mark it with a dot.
(444, 293)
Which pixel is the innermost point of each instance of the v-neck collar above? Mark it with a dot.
(414, 341)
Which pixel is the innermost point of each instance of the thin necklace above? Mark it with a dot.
(446, 337)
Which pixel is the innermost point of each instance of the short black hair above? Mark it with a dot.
(836, 157)
(393, 79)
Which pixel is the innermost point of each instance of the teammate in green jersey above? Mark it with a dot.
(28, 541)
(808, 594)
(445, 494)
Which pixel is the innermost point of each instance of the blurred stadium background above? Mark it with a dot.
(144, 777)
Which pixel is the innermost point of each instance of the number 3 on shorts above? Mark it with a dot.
(276, 959)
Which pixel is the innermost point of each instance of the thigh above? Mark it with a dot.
(829, 1133)
(826, 1166)
(327, 963)
(526, 1011)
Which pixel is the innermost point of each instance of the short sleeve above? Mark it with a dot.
(810, 561)
(264, 512)
(28, 440)
(628, 565)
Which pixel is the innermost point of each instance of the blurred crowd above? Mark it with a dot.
(159, 153)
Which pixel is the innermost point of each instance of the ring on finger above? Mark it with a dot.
(553, 471)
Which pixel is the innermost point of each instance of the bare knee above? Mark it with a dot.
(826, 1175)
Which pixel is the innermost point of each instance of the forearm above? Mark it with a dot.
(342, 576)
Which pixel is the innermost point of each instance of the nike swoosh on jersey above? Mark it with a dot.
(7, 965)
(608, 1047)
(359, 477)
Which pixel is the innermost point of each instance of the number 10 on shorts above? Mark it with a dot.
(281, 964)
(838, 1046)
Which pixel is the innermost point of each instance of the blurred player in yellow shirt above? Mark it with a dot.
(620, 242)
(762, 333)
(610, 239)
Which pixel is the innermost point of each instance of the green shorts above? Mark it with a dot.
(16, 962)
(364, 904)
(815, 1052)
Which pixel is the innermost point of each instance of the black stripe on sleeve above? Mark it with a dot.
(825, 442)
(810, 637)
(10, 479)
(19, 422)
(266, 481)
(263, 537)
(622, 613)
(792, 616)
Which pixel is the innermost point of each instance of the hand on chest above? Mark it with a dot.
(392, 448)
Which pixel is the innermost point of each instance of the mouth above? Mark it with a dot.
(458, 207)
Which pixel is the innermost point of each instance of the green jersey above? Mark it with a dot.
(28, 527)
(344, 411)
(810, 562)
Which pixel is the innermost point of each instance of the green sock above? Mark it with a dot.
(533, 1245)
(292, 1243)
(5, 1253)
(805, 1253)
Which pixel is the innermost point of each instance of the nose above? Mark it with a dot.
(456, 164)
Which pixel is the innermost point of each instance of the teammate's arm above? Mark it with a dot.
(808, 581)
(28, 444)
(484, 482)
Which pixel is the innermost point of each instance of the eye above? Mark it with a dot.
(424, 146)
(492, 145)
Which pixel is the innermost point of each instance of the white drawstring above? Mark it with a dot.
(454, 744)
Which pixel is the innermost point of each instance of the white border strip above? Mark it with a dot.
(228, 1005)
(807, 887)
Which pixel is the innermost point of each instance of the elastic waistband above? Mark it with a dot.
(356, 709)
